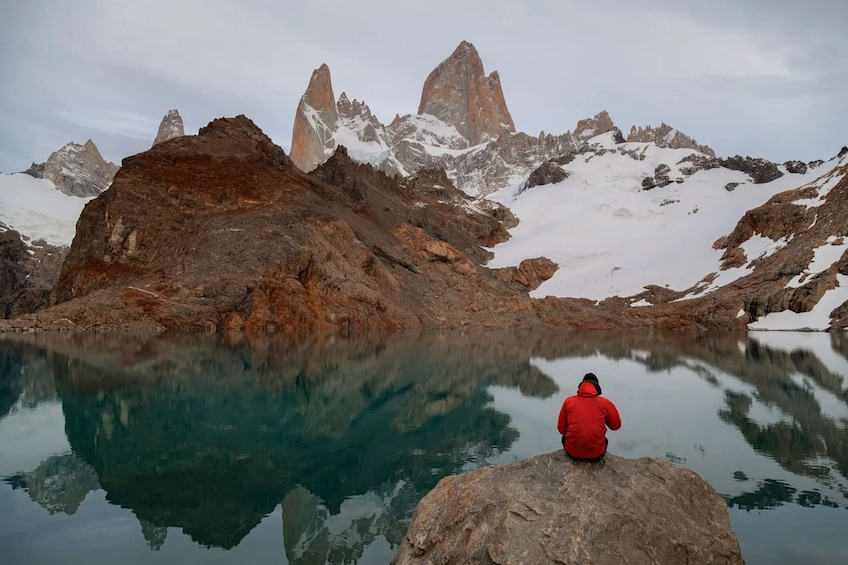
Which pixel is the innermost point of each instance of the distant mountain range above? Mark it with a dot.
(647, 229)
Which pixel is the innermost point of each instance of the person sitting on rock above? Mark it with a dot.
(583, 421)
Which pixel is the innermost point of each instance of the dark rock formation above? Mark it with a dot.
(26, 278)
(760, 170)
(548, 172)
(659, 179)
(550, 509)
(698, 163)
(796, 167)
(36, 170)
(13, 256)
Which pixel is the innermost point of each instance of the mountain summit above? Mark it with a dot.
(314, 122)
(76, 170)
(170, 127)
(460, 94)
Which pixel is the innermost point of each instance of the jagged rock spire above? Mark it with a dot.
(314, 122)
(459, 93)
(170, 127)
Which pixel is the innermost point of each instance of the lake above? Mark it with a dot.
(190, 448)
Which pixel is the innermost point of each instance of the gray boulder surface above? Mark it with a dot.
(549, 509)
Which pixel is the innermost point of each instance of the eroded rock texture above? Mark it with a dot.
(550, 509)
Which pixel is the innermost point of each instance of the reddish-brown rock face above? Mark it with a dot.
(314, 122)
(459, 93)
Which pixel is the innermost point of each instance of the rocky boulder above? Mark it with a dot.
(548, 172)
(170, 127)
(550, 509)
(530, 273)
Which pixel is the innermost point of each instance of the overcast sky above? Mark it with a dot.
(761, 77)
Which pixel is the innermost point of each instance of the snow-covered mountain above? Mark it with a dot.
(617, 215)
(76, 170)
(611, 236)
(462, 125)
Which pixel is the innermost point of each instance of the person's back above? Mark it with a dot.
(583, 421)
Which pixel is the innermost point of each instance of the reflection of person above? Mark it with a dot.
(583, 421)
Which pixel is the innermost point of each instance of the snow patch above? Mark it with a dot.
(37, 210)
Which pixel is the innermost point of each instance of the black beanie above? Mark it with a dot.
(594, 380)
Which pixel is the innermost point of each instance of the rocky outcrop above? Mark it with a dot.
(659, 179)
(27, 274)
(315, 121)
(667, 136)
(760, 170)
(76, 170)
(795, 167)
(530, 273)
(13, 255)
(460, 94)
(170, 127)
(548, 172)
(550, 509)
(590, 127)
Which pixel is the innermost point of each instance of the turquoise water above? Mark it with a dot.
(193, 449)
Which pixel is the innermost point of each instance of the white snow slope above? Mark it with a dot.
(610, 237)
(37, 210)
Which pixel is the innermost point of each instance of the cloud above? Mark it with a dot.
(735, 75)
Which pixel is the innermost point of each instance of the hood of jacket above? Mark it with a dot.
(587, 388)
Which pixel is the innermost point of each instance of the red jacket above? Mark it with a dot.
(583, 420)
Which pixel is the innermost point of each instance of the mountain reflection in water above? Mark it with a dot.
(209, 435)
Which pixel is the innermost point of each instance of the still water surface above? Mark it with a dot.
(192, 449)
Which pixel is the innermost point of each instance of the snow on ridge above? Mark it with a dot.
(37, 210)
(610, 237)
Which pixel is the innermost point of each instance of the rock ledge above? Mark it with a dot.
(549, 509)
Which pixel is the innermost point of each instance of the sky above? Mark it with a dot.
(762, 77)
